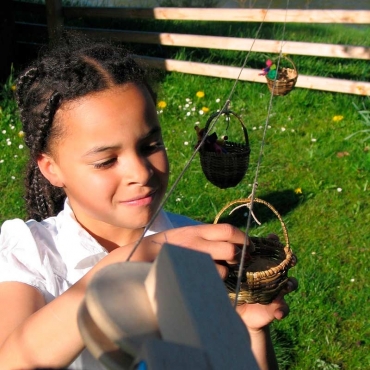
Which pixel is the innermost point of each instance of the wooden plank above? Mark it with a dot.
(226, 15)
(234, 43)
(249, 74)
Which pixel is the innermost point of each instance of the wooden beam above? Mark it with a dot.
(234, 43)
(54, 17)
(226, 15)
(252, 75)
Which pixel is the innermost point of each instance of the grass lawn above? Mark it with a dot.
(311, 172)
(317, 180)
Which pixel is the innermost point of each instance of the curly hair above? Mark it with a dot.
(72, 69)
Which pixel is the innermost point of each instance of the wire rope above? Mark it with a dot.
(259, 161)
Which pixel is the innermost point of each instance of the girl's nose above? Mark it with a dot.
(140, 170)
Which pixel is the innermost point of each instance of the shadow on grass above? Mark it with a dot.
(283, 201)
(284, 344)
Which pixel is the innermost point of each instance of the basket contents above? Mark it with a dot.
(224, 163)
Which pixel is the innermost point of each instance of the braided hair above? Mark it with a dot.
(68, 71)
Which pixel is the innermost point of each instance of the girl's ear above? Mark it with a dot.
(50, 170)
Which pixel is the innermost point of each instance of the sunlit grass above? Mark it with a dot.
(305, 149)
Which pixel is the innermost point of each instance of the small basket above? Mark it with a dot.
(285, 80)
(265, 274)
(226, 170)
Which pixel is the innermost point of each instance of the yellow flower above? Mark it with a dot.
(162, 104)
(337, 118)
(13, 87)
(205, 109)
(298, 191)
(200, 94)
(20, 133)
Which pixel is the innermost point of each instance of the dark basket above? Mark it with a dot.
(226, 170)
(285, 80)
(266, 273)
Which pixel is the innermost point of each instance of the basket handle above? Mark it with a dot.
(247, 201)
(228, 112)
(290, 61)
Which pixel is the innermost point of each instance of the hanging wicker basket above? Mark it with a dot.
(226, 169)
(265, 271)
(285, 80)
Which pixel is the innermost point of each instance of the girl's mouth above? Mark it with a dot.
(140, 201)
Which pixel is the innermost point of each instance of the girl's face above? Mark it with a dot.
(111, 161)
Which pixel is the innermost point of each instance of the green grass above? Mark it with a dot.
(13, 156)
(327, 223)
(304, 149)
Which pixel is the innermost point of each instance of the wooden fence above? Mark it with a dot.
(57, 15)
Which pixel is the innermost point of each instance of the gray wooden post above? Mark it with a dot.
(54, 17)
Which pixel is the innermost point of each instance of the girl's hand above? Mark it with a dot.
(222, 241)
(257, 316)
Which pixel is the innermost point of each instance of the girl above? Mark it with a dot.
(97, 173)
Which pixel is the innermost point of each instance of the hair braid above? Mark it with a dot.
(24, 81)
(42, 199)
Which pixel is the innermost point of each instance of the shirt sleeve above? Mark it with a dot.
(20, 258)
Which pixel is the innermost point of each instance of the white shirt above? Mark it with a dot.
(55, 253)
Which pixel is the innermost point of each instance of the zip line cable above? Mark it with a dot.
(255, 183)
(259, 161)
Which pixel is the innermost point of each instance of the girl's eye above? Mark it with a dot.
(152, 148)
(106, 164)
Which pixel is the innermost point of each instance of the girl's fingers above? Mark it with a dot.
(282, 309)
(219, 250)
(273, 236)
(221, 232)
(222, 242)
(222, 270)
(293, 261)
(291, 285)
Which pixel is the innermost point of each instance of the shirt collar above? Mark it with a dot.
(83, 251)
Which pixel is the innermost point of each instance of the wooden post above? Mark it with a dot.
(54, 17)
(7, 39)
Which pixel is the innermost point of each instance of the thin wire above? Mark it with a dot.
(255, 183)
(169, 193)
(225, 106)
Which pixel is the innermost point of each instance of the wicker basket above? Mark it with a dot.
(226, 170)
(285, 80)
(264, 274)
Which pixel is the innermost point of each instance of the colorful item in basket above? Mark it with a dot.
(212, 143)
(270, 67)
